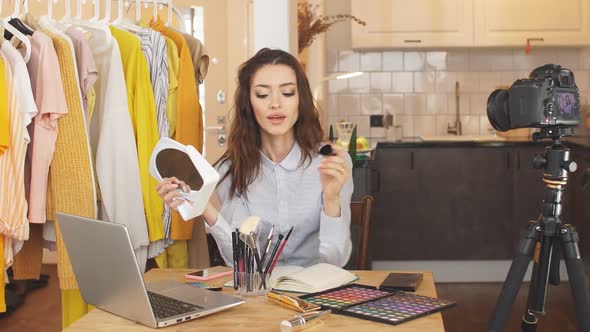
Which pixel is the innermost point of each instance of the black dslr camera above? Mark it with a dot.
(548, 98)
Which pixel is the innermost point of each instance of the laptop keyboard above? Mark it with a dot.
(165, 307)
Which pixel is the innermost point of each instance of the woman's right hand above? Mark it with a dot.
(168, 190)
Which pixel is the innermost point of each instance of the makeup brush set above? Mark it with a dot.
(253, 262)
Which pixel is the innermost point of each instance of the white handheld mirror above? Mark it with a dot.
(172, 159)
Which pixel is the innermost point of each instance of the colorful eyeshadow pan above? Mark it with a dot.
(397, 308)
(345, 296)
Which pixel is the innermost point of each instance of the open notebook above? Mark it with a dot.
(315, 278)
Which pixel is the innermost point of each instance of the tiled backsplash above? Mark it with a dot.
(418, 87)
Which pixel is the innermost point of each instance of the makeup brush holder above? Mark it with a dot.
(253, 284)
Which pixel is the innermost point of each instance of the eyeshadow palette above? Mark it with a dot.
(397, 308)
(345, 296)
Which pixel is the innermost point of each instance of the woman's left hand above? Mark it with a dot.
(333, 173)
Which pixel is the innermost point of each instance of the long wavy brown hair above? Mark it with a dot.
(243, 144)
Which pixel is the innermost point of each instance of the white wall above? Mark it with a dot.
(271, 25)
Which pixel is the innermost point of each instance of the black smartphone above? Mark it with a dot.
(402, 281)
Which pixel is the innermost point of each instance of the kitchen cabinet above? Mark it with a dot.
(469, 23)
(364, 178)
(394, 215)
(465, 200)
(413, 24)
(442, 203)
(577, 202)
(546, 22)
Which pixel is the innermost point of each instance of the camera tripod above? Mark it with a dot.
(544, 241)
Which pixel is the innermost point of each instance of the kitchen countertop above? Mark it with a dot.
(572, 142)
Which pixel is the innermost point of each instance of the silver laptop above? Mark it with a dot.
(109, 278)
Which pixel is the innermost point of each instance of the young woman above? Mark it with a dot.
(272, 168)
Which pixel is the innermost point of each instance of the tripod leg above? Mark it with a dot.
(539, 281)
(514, 278)
(575, 271)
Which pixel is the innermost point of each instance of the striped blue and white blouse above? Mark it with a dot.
(286, 194)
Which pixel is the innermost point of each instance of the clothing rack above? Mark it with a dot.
(166, 3)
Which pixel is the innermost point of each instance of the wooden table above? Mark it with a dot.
(257, 314)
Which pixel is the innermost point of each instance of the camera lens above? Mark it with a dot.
(498, 110)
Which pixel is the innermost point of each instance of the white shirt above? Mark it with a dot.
(285, 194)
(113, 143)
(22, 85)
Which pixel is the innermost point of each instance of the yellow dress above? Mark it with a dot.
(4, 125)
(142, 108)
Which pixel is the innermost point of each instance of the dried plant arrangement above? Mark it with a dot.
(310, 24)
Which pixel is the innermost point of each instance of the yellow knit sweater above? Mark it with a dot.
(71, 170)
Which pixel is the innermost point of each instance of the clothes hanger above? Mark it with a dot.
(122, 23)
(18, 35)
(169, 21)
(92, 23)
(49, 9)
(107, 13)
(16, 22)
(78, 11)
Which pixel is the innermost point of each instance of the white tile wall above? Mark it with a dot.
(393, 103)
(478, 104)
(418, 87)
(332, 106)
(537, 57)
(445, 81)
(425, 125)
(407, 123)
(414, 61)
(485, 128)
(468, 82)
(362, 125)
(337, 86)
(371, 104)
(377, 133)
(458, 60)
(436, 60)
(393, 61)
(349, 104)
(436, 104)
(349, 61)
(359, 84)
(402, 82)
(490, 81)
(490, 60)
(585, 54)
(470, 124)
(424, 81)
(442, 123)
(380, 82)
(371, 61)
(414, 104)
(570, 58)
(464, 104)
